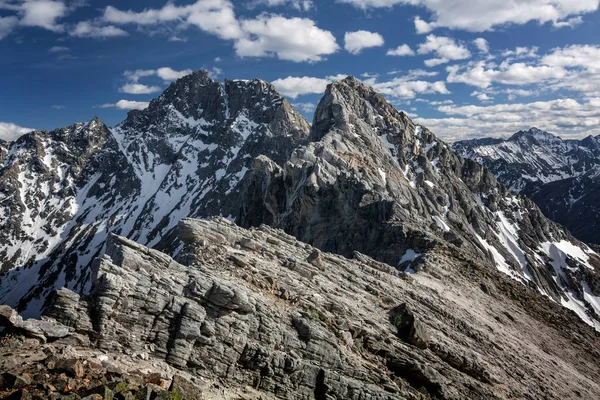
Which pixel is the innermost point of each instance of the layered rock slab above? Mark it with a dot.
(259, 308)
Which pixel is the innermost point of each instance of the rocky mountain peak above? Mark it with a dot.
(199, 101)
(195, 96)
(591, 142)
(45, 179)
(77, 143)
(534, 136)
(349, 103)
(261, 102)
(92, 133)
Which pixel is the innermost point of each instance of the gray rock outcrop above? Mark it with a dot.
(244, 311)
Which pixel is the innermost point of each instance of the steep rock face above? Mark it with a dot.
(193, 144)
(3, 150)
(368, 170)
(66, 190)
(374, 182)
(561, 176)
(258, 308)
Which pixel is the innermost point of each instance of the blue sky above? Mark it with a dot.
(466, 68)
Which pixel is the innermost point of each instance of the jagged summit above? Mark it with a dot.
(200, 97)
(534, 134)
(531, 131)
(591, 142)
(350, 101)
(77, 128)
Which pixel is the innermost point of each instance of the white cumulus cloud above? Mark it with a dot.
(167, 74)
(403, 50)
(267, 35)
(422, 27)
(355, 42)
(293, 39)
(574, 68)
(446, 49)
(294, 86)
(479, 16)
(302, 5)
(482, 45)
(407, 87)
(90, 29)
(138, 88)
(305, 107)
(213, 16)
(483, 75)
(521, 52)
(43, 14)
(587, 56)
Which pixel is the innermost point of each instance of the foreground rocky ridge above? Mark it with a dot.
(71, 369)
(255, 313)
(560, 176)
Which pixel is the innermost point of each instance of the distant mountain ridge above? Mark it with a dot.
(363, 178)
(561, 176)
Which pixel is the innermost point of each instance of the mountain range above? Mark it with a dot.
(361, 182)
(561, 176)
